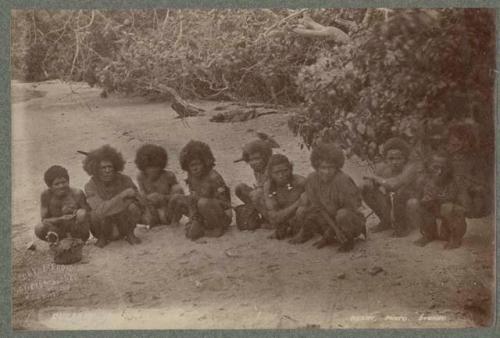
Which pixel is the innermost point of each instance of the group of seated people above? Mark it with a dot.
(405, 192)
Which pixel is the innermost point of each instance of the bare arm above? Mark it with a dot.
(44, 209)
(351, 196)
(277, 216)
(109, 207)
(140, 182)
(222, 191)
(175, 189)
(82, 201)
(409, 173)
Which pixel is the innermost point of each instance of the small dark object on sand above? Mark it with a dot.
(376, 270)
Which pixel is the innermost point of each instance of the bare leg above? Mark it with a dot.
(282, 230)
(352, 225)
(422, 219)
(177, 207)
(150, 216)
(401, 222)
(257, 201)
(100, 229)
(453, 216)
(128, 221)
(307, 223)
(81, 225)
(380, 204)
(214, 216)
(49, 232)
(162, 215)
(195, 229)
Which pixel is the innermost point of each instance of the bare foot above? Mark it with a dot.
(321, 243)
(132, 239)
(452, 244)
(347, 246)
(422, 241)
(380, 227)
(300, 238)
(101, 243)
(398, 233)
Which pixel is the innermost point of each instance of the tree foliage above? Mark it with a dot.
(399, 75)
(360, 75)
(218, 54)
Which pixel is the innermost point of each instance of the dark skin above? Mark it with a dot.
(157, 190)
(196, 168)
(393, 176)
(440, 170)
(64, 204)
(208, 197)
(437, 202)
(256, 162)
(106, 171)
(107, 174)
(396, 161)
(285, 199)
(59, 204)
(326, 171)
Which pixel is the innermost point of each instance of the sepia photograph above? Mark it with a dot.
(272, 168)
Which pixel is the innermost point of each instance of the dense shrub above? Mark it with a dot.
(399, 70)
(397, 76)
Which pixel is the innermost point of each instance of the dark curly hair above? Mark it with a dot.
(257, 146)
(276, 159)
(93, 160)
(327, 152)
(440, 154)
(196, 150)
(54, 172)
(396, 143)
(151, 155)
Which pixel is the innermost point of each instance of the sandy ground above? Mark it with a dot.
(241, 280)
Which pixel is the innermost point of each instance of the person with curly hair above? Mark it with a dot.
(388, 190)
(256, 154)
(470, 168)
(64, 209)
(331, 203)
(112, 196)
(156, 184)
(282, 194)
(208, 205)
(439, 196)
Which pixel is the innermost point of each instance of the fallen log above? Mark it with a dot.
(179, 105)
(242, 114)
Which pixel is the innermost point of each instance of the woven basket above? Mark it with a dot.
(67, 251)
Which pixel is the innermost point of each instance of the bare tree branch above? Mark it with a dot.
(312, 29)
